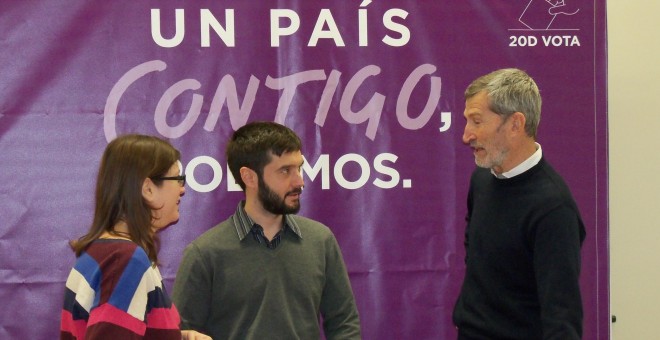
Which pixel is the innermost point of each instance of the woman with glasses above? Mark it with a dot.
(115, 289)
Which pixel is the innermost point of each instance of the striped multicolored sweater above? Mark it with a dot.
(114, 292)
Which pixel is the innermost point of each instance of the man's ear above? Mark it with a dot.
(148, 192)
(518, 121)
(249, 177)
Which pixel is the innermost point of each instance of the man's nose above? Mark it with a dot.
(298, 180)
(468, 135)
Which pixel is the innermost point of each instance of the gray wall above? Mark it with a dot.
(634, 167)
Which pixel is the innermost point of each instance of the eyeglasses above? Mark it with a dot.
(181, 179)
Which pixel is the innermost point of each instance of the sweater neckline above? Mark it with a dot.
(521, 177)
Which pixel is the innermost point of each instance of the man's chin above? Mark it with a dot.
(293, 209)
(485, 163)
(481, 164)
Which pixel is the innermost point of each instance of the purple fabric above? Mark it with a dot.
(374, 89)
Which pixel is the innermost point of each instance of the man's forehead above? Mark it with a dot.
(286, 157)
(477, 105)
(474, 110)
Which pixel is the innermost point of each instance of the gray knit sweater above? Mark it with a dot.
(232, 288)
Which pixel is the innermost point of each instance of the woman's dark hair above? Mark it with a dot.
(126, 163)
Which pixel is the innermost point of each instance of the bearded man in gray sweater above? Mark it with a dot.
(266, 273)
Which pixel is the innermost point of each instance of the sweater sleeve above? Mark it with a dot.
(132, 303)
(557, 268)
(192, 290)
(340, 315)
(102, 322)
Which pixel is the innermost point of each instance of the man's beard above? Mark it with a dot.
(496, 150)
(495, 158)
(273, 203)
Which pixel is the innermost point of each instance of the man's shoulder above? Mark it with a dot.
(219, 232)
(308, 223)
(306, 220)
(557, 184)
(549, 190)
(310, 228)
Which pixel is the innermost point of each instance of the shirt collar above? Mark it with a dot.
(243, 223)
(534, 159)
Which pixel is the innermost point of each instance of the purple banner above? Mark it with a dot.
(373, 88)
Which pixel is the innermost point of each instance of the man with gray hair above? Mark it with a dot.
(524, 231)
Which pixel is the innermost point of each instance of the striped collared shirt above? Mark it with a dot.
(244, 226)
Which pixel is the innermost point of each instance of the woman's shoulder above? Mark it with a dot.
(118, 251)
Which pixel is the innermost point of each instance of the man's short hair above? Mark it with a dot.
(510, 90)
(253, 145)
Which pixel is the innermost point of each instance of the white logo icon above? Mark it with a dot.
(540, 14)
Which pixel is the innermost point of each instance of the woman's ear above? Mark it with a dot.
(148, 190)
(249, 177)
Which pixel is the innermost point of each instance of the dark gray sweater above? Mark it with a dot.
(522, 242)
